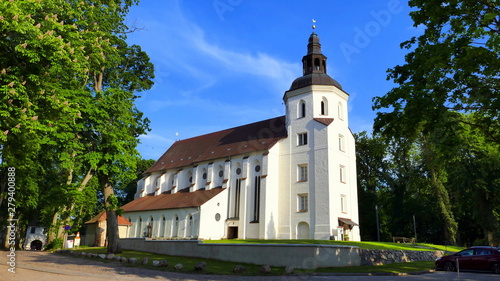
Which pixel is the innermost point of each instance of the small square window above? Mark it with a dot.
(302, 139)
(303, 202)
(302, 172)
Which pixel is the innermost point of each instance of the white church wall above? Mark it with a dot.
(159, 227)
(270, 194)
(213, 215)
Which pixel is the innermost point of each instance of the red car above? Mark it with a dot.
(474, 258)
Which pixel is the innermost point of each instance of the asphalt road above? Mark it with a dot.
(41, 266)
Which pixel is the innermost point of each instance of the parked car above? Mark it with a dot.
(474, 258)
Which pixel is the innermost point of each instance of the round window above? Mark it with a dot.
(204, 176)
(217, 217)
(257, 168)
(221, 174)
(238, 171)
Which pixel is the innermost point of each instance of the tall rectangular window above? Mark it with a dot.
(256, 202)
(343, 203)
(302, 172)
(341, 143)
(302, 139)
(342, 174)
(237, 193)
(302, 202)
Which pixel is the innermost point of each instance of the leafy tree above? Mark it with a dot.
(452, 72)
(127, 190)
(454, 66)
(69, 81)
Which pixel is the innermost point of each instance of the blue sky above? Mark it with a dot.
(225, 63)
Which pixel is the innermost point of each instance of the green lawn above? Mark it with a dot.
(220, 267)
(362, 245)
(213, 266)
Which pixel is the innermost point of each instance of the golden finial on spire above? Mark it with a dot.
(313, 26)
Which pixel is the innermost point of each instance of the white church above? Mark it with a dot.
(289, 177)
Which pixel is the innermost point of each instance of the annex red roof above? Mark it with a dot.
(172, 201)
(324, 121)
(102, 217)
(239, 140)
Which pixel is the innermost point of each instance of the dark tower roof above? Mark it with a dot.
(314, 67)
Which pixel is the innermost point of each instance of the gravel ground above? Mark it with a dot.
(45, 266)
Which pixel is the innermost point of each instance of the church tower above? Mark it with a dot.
(320, 188)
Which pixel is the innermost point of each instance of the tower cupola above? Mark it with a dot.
(314, 67)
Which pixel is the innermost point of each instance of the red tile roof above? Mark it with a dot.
(239, 140)
(172, 201)
(102, 217)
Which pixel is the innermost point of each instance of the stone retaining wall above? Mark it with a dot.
(378, 257)
(297, 255)
(308, 256)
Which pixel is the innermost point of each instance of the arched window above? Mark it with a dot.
(302, 109)
(149, 227)
(303, 231)
(324, 106)
(189, 180)
(316, 64)
(203, 182)
(236, 193)
(309, 65)
(189, 232)
(175, 226)
(131, 230)
(162, 227)
(256, 193)
(138, 227)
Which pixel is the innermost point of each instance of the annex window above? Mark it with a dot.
(341, 143)
(343, 203)
(303, 202)
(302, 139)
(302, 109)
(342, 174)
(302, 172)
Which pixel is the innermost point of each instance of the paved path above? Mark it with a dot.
(44, 266)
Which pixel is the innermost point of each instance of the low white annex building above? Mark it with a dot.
(290, 177)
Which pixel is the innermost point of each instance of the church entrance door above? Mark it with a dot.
(232, 232)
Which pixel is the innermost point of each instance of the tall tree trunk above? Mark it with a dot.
(113, 239)
(59, 227)
(437, 177)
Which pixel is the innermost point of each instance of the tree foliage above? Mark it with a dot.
(69, 82)
(448, 91)
(453, 66)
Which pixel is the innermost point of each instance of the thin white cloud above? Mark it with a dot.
(182, 47)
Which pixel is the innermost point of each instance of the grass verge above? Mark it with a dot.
(368, 245)
(226, 268)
